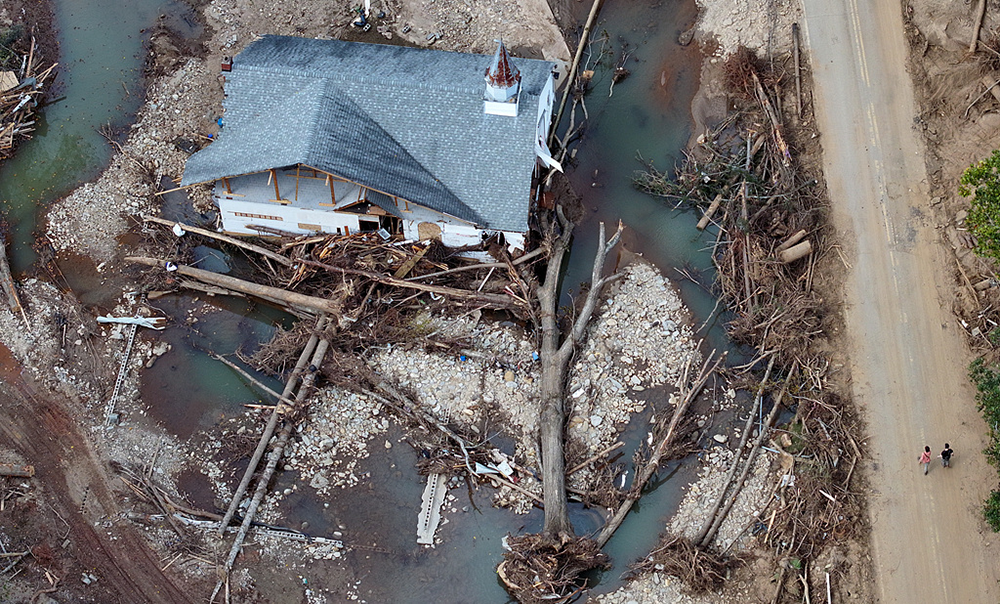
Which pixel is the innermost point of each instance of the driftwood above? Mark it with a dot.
(709, 212)
(9, 469)
(572, 71)
(798, 71)
(787, 243)
(980, 13)
(305, 388)
(719, 511)
(649, 468)
(296, 301)
(226, 238)
(797, 251)
(7, 284)
(272, 423)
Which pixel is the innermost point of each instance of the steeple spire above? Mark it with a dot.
(503, 82)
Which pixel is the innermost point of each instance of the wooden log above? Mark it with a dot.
(7, 283)
(642, 476)
(984, 284)
(9, 469)
(497, 300)
(712, 207)
(305, 388)
(797, 251)
(272, 423)
(294, 300)
(991, 85)
(795, 238)
(220, 237)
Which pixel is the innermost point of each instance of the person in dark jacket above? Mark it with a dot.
(946, 455)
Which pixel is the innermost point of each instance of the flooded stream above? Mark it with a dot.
(648, 115)
(97, 83)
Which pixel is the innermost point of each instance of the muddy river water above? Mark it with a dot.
(648, 115)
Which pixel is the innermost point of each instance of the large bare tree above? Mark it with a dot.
(555, 360)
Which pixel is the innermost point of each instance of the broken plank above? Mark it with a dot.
(409, 264)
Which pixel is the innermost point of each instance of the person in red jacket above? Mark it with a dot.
(925, 458)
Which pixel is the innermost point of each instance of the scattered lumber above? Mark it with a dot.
(220, 237)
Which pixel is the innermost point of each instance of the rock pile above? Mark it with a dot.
(640, 338)
(335, 438)
(761, 27)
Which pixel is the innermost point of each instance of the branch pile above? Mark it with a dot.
(770, 216)
(769, 213)
(542, 569)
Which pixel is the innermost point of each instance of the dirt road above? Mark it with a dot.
(908, 360)
(40, 429)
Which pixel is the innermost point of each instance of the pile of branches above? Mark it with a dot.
(21, 88)
(701, 571)
(540, 569)
(769, 212)
(770, 216)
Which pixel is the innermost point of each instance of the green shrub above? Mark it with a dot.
(981, 181)
(991, 511)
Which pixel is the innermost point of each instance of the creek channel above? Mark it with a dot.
(186, 391)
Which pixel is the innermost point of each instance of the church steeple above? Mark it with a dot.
(503, 83)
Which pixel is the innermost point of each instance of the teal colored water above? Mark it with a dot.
(98, 82)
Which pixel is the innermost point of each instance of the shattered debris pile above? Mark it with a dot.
(21, 89)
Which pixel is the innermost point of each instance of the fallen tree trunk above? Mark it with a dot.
(717, 516)
(796, 252)
(980, 13)
(305, 388)
(272, 423)
(9, 469)
(555, 359)
(293, 300)
(712, 207)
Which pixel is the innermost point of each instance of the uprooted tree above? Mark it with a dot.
(552, 560)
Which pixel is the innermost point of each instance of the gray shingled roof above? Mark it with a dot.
(405, 121)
